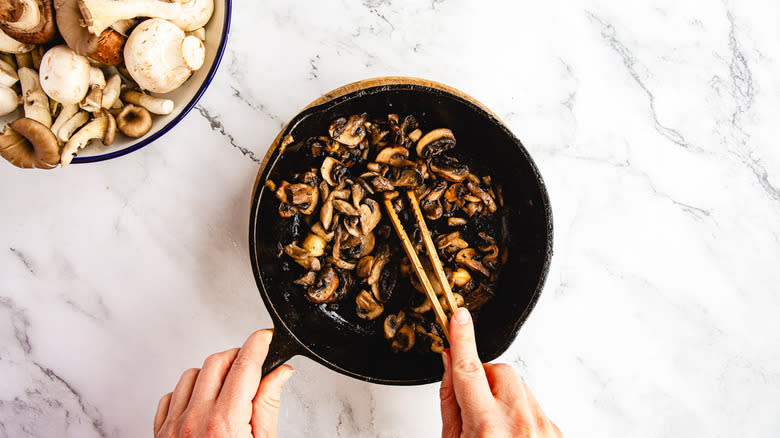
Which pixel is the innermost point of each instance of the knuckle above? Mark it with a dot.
(467, 366)
(191, 372)
(215, 359)
(188, 426)
(217, 426)
(243, 362)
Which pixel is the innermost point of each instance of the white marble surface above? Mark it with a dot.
(654, 123)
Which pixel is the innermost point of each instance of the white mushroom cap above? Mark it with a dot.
(64, 75)
(8, 100)
(160, 57)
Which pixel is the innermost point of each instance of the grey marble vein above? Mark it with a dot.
(216, 125)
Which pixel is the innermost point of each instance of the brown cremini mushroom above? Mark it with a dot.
(435, 142)
(350, 131)
(325, 287)
(134, 121)
(28, 21)
(105, 48)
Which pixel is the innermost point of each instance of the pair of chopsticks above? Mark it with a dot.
(432, 256)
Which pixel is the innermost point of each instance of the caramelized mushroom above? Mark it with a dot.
(370, 215)
(325, 287)
(466, 257)
(392, 323)
(435, 142)
(350, 131)
(396, 157)
(449, 168)
(367, 306)
(404, 339)
(332, 171)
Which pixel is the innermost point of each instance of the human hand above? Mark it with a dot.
(485, 400)
(228, 397)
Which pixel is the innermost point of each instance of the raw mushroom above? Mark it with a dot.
(111, 91)
(8, 76)
(64, 75)
(134, 121)
(105, 47)
(71, 125)
(9, 101)
(95, 129)
(160, 57)
(93, 101)
(36, 104)
(66, 112)
(10, 45)
(187, 15)
(28, 21)
(27, 143)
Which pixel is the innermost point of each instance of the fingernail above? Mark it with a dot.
(462, 316)
(445, 359)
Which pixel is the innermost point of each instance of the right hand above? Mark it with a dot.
(485, 400)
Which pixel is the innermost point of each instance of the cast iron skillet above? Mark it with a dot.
(302, 328)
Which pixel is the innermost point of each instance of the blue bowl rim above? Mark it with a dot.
(190, 105)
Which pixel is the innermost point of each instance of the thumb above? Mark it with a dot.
(265, 406)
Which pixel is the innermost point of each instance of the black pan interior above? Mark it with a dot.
(358, 349)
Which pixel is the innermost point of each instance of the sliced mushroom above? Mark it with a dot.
(478, 297)
(287, 210)
(370, 215)
(363, 269)
(384, 287)
(319, 230)
(429, 337)
(445, 305)
(404, 339)
(408, 177)
(456, 221)
(350, 131)
(345, 207)
(358, 194)
(326, 213)
(28, 21)
(393, 323)
(394, 156)
(460, 277)
(307, 279)
(467, 258)
(332, 171)
(325, 287)
(451, 242)
(426, 305)
(381, 184)
(380, 260)
(435, 142)
(367, 306)
(485, 197)
(449, 168)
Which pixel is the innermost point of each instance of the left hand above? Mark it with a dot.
(227, 397)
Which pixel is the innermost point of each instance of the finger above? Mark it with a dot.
(531, 399)
(181, 394)
(504, 384)
(450, 412)
(468, 377)
(162, 412)
(265, 406)
(243, 379)
(211, 376)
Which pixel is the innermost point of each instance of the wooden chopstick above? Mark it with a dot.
(418, 268)
(431, 250)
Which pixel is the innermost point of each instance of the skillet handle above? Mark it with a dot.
(283, 347)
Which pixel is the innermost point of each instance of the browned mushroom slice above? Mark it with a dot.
(404, 339)
(485, 197)
(325, 287)
(426, 305)
(415, 135)
(358, 194)
(287, 210)
(352, 225)
(408, 177)
(428, 337)
(467, 258)
(363, 269)
(460, 277)
(408, 125)
(326, 213)
(370, 215)
(478, 297)
(456, 194)
(449, 168)
(394, 156)
(307, 279)
(302, 257)
(319, 230)
(281, 192)
(381, 184)
(367, 306)
(304, 196)
(456, 221)
(451, 242)
(314, 244)
(345, 287)
(383, 288)
(472, 208)
(380, 260)
(345, 207)
(393, 322)
(458, 302)
(332, 171)
(350, 131)
(435, 142)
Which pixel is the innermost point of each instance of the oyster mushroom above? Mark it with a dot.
(93, 101)
(367, 307)
(435, 142)
(325, 286)
(28, 21)
(95, 129)
(28, 143)
(66, 112)
(36, 104)
(188, 15)
(350, 131)
(64, 75)
(71, 125)
(160, 57)
(111, 91)
(133, 121)
(105, 47)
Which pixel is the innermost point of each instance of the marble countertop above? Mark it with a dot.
(653, 123)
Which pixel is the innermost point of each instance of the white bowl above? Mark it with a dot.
(184, 97)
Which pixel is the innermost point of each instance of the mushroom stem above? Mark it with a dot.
(24, 60)
(96, 129)
(8, 75)
(155, 105)
(66, 113)
(71, 125)
(187, 15)
(8, 58)
(36, 104)
(111, 90)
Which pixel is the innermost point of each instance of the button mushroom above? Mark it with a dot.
(160, 57)
(187, 15)
(28, 21)
(370, 215)
(64, 75)
(404, 339)
(332, 171)
(325, 287)
(394, 156)
(105, 47)
(9, 101)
